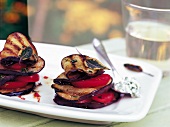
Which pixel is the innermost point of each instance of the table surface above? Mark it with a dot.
(158, 115)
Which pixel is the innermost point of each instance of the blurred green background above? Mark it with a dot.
(13, 17)
(65, 22)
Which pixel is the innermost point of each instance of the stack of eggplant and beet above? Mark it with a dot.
(83, 83)
(19, 65)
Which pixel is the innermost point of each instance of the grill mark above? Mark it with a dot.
(14, 45)
(81, 57)
(18, 37)
(17, 47)
(7, 50)
(21, 38)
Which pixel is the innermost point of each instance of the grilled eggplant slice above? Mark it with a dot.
(37, 67)
(62, 78)
(19, 49)
(16, 44)
(6, 78)
(9, 61)
(73, 91)
(88, 105)
(78, 65)
(84, 104)
(19, 91)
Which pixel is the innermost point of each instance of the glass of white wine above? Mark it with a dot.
(147, 27)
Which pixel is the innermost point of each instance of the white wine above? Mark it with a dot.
(149, 40)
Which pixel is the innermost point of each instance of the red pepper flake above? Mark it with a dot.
(45, 77)
(22, 98)
(37, 96)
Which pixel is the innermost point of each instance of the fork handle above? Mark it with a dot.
(101, 50)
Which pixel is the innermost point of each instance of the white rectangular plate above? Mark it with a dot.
(125, 110)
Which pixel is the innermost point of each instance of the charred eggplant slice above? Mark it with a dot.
(6, 78)
(84, 103)
(18, 45)
(20, 50)
(77, 65)
(62, 78)
(19, 91)
(8, 61)
(70, 92)
(37, 67)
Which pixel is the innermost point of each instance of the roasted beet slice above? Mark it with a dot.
(6, 78)
(89, 104)
(18, 91)
(37, 67)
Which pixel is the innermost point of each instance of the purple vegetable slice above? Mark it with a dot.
(8, 61)
(19, 91)
(62, 78)
(36, 68)
(6, 78)
(89, 104)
